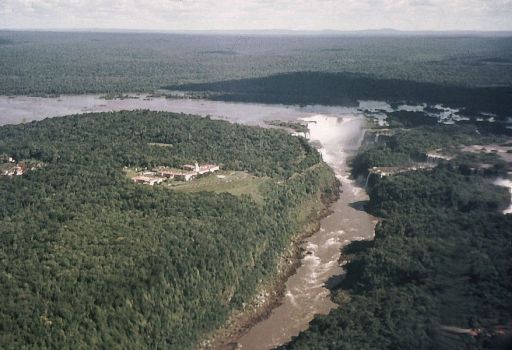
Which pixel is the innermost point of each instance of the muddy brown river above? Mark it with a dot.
(337, 130)
(306, 293)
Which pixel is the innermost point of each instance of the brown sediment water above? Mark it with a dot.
(306, 293)
(337, 130)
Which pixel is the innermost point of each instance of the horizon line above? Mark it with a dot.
(381, 31)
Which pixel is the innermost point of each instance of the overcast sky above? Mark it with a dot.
(258, 14)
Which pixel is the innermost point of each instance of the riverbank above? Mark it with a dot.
(285, 305)
(172, 264)
(307, 293)
(271, 292)
(400, 293)
(337, 132)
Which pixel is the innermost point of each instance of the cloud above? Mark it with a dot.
(258, 14)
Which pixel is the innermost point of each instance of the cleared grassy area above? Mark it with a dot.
(235, 182)
(130, 172)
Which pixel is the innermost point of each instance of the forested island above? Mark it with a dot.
(438, 274)
(90, 259)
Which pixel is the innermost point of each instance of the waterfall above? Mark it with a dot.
(376, 138)
(505, 183)
(367, 180)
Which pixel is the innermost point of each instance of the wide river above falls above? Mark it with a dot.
(337, 131)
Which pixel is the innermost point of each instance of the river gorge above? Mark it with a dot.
(306, 291)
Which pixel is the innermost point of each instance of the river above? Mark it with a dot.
(337, 131)
(306, 293)
(18, 109)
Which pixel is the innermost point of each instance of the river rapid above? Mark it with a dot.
(306, 292)
(336, 131)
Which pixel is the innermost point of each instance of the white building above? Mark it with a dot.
(147, 180)
(186, 176)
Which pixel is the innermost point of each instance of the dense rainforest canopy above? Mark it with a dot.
(90, 260)
(66, 63)
(406, 147)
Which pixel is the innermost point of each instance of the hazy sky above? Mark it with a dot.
(258, 14)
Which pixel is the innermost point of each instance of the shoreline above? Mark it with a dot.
(309, 290)
(272, 290)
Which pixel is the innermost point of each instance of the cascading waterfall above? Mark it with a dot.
(361, 138)
(505, 183)
(367, 180)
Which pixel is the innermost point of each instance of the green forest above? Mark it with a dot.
(440, 259)
(41, 63)
(346, 89)
(406, 147)
(91, 260)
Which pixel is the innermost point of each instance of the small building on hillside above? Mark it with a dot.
(202, 169)
(162, 173)
(147, 180)
(186, 176)
(17, 170)
(168, 173)
(208, 168)
(191, 167)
